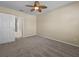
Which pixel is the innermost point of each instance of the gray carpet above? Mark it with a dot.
(36, 46)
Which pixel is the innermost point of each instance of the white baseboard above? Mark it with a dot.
(58, 40)
(29, 35)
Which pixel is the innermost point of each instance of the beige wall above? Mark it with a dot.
(61, 24)
(29, 22)
(29, 25)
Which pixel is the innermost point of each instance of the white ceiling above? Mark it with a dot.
(20, 5)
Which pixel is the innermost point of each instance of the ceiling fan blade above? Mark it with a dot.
(39, 10)
(43, 7)
(32, 10)
(29, 6)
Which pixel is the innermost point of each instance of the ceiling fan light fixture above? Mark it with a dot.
(36, 8)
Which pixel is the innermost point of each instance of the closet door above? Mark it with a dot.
(7, 28)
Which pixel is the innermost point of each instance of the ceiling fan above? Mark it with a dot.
(37, 7)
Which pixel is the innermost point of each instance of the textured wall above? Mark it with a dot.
(61, 24)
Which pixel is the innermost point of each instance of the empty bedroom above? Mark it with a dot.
(39, 28)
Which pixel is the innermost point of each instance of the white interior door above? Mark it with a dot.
(7, 28)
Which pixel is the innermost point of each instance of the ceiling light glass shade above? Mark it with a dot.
(36, 8)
